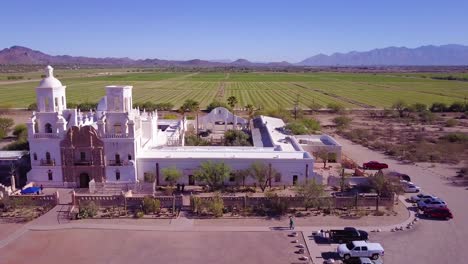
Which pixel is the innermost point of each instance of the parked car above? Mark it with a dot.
(442, 213)
(410, 187)
(374, 165)
(431, 203)
(360, 249)
(348, 234)
(421, 196)
(363, 261)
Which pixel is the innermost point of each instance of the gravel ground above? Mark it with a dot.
(432, 241)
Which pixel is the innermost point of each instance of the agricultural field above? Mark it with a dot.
(268, 90)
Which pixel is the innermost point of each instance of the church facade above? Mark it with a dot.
(120, 144)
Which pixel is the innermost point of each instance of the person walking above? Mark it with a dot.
(291, 223)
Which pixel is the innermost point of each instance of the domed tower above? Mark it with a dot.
(46, 128)
(50, 93)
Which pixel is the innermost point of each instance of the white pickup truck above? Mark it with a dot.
(360, 249)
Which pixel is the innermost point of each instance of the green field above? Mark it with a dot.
(267, 90)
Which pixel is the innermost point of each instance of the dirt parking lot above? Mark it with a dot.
(119, 246)
(432, 241)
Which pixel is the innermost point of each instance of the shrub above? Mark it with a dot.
(276, 205)
(336, 107)
(193, 140)
(451, 122)
(5, 126)
(32, 107)
(342, 121)
(297, 128)
(139, 214)
(456, 137)
(438, 107)
(87, 106)
(427, 116)
(149, 177)
(236, 138)
(457, 107)
(87, 210)
(216, 206)
(170, 116)
(151, 205)
(303, 126)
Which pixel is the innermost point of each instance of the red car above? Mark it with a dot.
(442, 213)
(374, 165)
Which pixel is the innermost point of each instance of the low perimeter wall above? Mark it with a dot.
(35, 200)
(133, 202)
(298, 202)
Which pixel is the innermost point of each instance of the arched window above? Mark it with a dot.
(117, 175)
(49, 174)
(55, 101)
(129, 157)
(118, 128)
(47, 156)
(34, 156)
(46, 103)
(117, 159)
(63, 101)
(36, 127)
(48, 128)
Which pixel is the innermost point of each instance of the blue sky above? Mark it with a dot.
(255, 30)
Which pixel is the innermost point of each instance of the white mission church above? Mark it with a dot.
(119, 144)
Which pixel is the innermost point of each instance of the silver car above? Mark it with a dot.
(421, 196)
(431, 203)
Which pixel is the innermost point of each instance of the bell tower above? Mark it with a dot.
(50, 93)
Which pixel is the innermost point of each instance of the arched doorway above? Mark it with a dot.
(84, 180)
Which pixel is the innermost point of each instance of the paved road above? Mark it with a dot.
(431, 241)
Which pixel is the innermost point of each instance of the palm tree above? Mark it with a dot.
(232, 101)
(250, 112)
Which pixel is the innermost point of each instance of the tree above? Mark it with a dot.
(20, 130)
(236, 138)
(419, 107)
(5, 126)
(400, 106)
(262, 174)
(250, 112)
(171, 175)
(322, 154)
(311, 192)
(240, 176)
(212, 174)
(384, 186)
(232, 101)
(216, 104)
(189, 106)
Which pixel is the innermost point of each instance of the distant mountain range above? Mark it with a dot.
(425, 55)
(22, 55)
(392, 56)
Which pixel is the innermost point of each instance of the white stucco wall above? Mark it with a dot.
(287, 168)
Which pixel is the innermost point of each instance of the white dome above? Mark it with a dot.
(49, 81)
